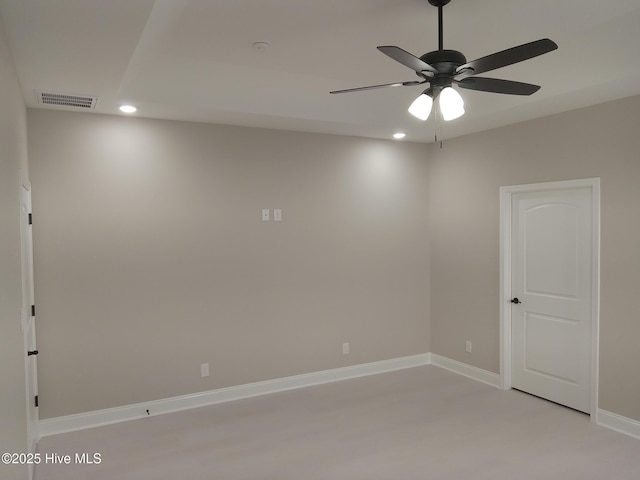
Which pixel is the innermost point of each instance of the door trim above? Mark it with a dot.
(31, 375)
(506, 194)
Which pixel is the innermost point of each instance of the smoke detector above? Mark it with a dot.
(261, 46)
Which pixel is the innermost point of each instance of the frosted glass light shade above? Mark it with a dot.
(421, 106)
(451, 104)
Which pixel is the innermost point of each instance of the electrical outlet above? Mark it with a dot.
(468, 346)
(345, 348)
(204, 370)
(277, 215)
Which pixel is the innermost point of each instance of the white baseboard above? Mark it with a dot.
(616, 422)
(81, 421)
(469, 371)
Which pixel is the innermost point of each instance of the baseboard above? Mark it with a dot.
(81, 421)
(616, 422)
(469, 371)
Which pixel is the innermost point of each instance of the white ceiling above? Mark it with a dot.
(193, 59)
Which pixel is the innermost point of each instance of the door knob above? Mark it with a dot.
(32, 352)
(515, 300)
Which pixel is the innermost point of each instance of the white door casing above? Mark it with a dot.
(28, 314)
(550, 262)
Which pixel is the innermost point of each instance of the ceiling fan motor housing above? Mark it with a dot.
(439, 3)
(444, 61)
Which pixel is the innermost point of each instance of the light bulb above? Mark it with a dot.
(451, 104)
(421, 106)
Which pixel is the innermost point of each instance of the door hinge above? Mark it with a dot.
(31, 219)
(36, 401)
(33, 310)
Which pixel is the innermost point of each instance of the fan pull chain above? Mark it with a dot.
(438, 125)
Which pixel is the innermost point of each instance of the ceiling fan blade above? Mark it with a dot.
(496, 85)
(371, 87)
(507, 57)
(408, 60)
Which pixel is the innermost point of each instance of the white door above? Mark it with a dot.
(551, 287)
(28, 315)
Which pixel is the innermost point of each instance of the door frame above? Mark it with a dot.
(30, 368)
(506, 194)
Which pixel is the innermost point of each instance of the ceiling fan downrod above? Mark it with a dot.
(440, 4)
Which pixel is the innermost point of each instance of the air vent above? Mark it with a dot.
(67, 100)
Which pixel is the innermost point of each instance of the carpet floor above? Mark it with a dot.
(418, 423)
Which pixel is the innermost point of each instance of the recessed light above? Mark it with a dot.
(128, 109)
(399, 135)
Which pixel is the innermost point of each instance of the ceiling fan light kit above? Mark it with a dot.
(421, 106)
(442, 69)
(451, 104)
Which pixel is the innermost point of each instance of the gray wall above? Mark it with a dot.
(13, 156)
(151, 257)
(464, 179)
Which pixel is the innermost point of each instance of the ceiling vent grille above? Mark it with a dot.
(67, 100)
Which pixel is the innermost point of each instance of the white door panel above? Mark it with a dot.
(550, 243)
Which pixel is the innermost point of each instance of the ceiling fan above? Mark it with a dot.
(441, 69)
